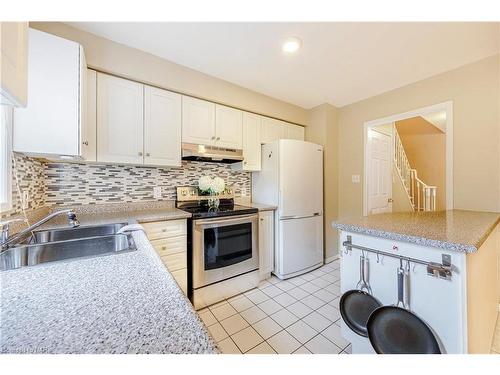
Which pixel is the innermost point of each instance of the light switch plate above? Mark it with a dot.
(157, 192)
(355, 179)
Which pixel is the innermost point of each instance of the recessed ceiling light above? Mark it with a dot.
(291, 45)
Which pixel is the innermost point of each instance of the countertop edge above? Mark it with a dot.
(458, 247)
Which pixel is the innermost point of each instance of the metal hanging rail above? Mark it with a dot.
(442, 270)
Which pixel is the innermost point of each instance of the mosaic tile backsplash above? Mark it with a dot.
(31, 176)
(78, 184)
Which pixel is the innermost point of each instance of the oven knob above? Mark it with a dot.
(183, 192)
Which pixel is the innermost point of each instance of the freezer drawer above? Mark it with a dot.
(300, 245)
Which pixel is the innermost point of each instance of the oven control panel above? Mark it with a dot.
(191, 193)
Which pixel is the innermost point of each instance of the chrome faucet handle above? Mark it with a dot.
(5, 225)
(72, 220)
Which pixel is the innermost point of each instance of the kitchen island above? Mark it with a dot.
(123, 303)
(461, 306)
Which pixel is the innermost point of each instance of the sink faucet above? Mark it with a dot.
(7, 240)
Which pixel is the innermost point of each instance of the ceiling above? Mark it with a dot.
(339, 63)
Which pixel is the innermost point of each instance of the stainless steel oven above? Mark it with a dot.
(224, 247)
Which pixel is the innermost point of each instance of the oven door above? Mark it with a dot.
(223, 248)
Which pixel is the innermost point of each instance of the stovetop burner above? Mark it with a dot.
(188, 200)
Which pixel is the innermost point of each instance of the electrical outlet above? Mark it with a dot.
(157, 192)
(355, 179)
(25, 199)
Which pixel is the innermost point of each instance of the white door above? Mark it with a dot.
(162, 127)
(251, 142)
(89, 117)
(379, 173)
(120, 121)
(295, 132)
(198, 121)
(272, 130)
(228, 127)
(300, 178)
(300, 244)
(266, 243)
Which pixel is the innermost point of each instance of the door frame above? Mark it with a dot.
(445, 106)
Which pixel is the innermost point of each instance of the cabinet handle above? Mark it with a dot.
(218, 139)
(164, 248)
(140, 153)
(245, 163)
(262, 219)
(148, 154)
(86, 143)
(163, 230)
(213, 138)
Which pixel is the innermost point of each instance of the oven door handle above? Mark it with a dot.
(236, 219)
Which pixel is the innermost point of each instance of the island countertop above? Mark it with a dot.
(457, 230)
(121, 303)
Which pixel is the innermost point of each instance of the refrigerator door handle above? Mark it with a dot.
(290, 217)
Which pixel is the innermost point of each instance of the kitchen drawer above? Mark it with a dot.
(181, 277)
(171, 245)
(175, 262)
(165, 229)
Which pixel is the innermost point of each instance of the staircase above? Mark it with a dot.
(421, 195)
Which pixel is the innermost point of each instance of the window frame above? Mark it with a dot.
(5, 158)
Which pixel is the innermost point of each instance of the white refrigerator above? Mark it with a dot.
(292, 179)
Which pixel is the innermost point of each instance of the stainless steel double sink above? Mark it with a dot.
(68, 243)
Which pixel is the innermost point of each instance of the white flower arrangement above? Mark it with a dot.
(209, 185)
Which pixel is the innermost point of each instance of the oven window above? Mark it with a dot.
(227, 245)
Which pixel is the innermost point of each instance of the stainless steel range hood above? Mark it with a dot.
(212, 154)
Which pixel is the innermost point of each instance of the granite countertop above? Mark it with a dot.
(121, 303)
(259, 206)
(456, 230)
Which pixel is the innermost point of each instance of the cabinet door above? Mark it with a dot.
(89, 117)
(50, 123)
(14, 66)
(198, 121)
(162, 127)
(251, 141)
(272, 130)
(266, 243)
(119, 120)
(228, 127)
(295, 132)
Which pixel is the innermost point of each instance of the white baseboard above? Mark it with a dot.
(332, 258)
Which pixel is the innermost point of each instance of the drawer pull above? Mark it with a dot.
(164, 230)
(164, 248)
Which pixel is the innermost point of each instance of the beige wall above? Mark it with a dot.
(474, 90)
(110, 57)
(323, 129)
(425, 147)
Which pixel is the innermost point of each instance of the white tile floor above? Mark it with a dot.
(298, 315)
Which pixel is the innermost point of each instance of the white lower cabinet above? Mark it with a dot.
(169, 239)
(266, 244)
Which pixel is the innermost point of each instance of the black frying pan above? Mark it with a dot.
(396, 330)
(356, 305)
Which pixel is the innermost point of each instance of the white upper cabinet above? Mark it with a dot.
(228, 127)
(52, 121)
(272, 130)
(162, 127)
(14, 63)
(295, 132)
(119, 120)
(251, 143)
(89, 131)
(198, 121)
